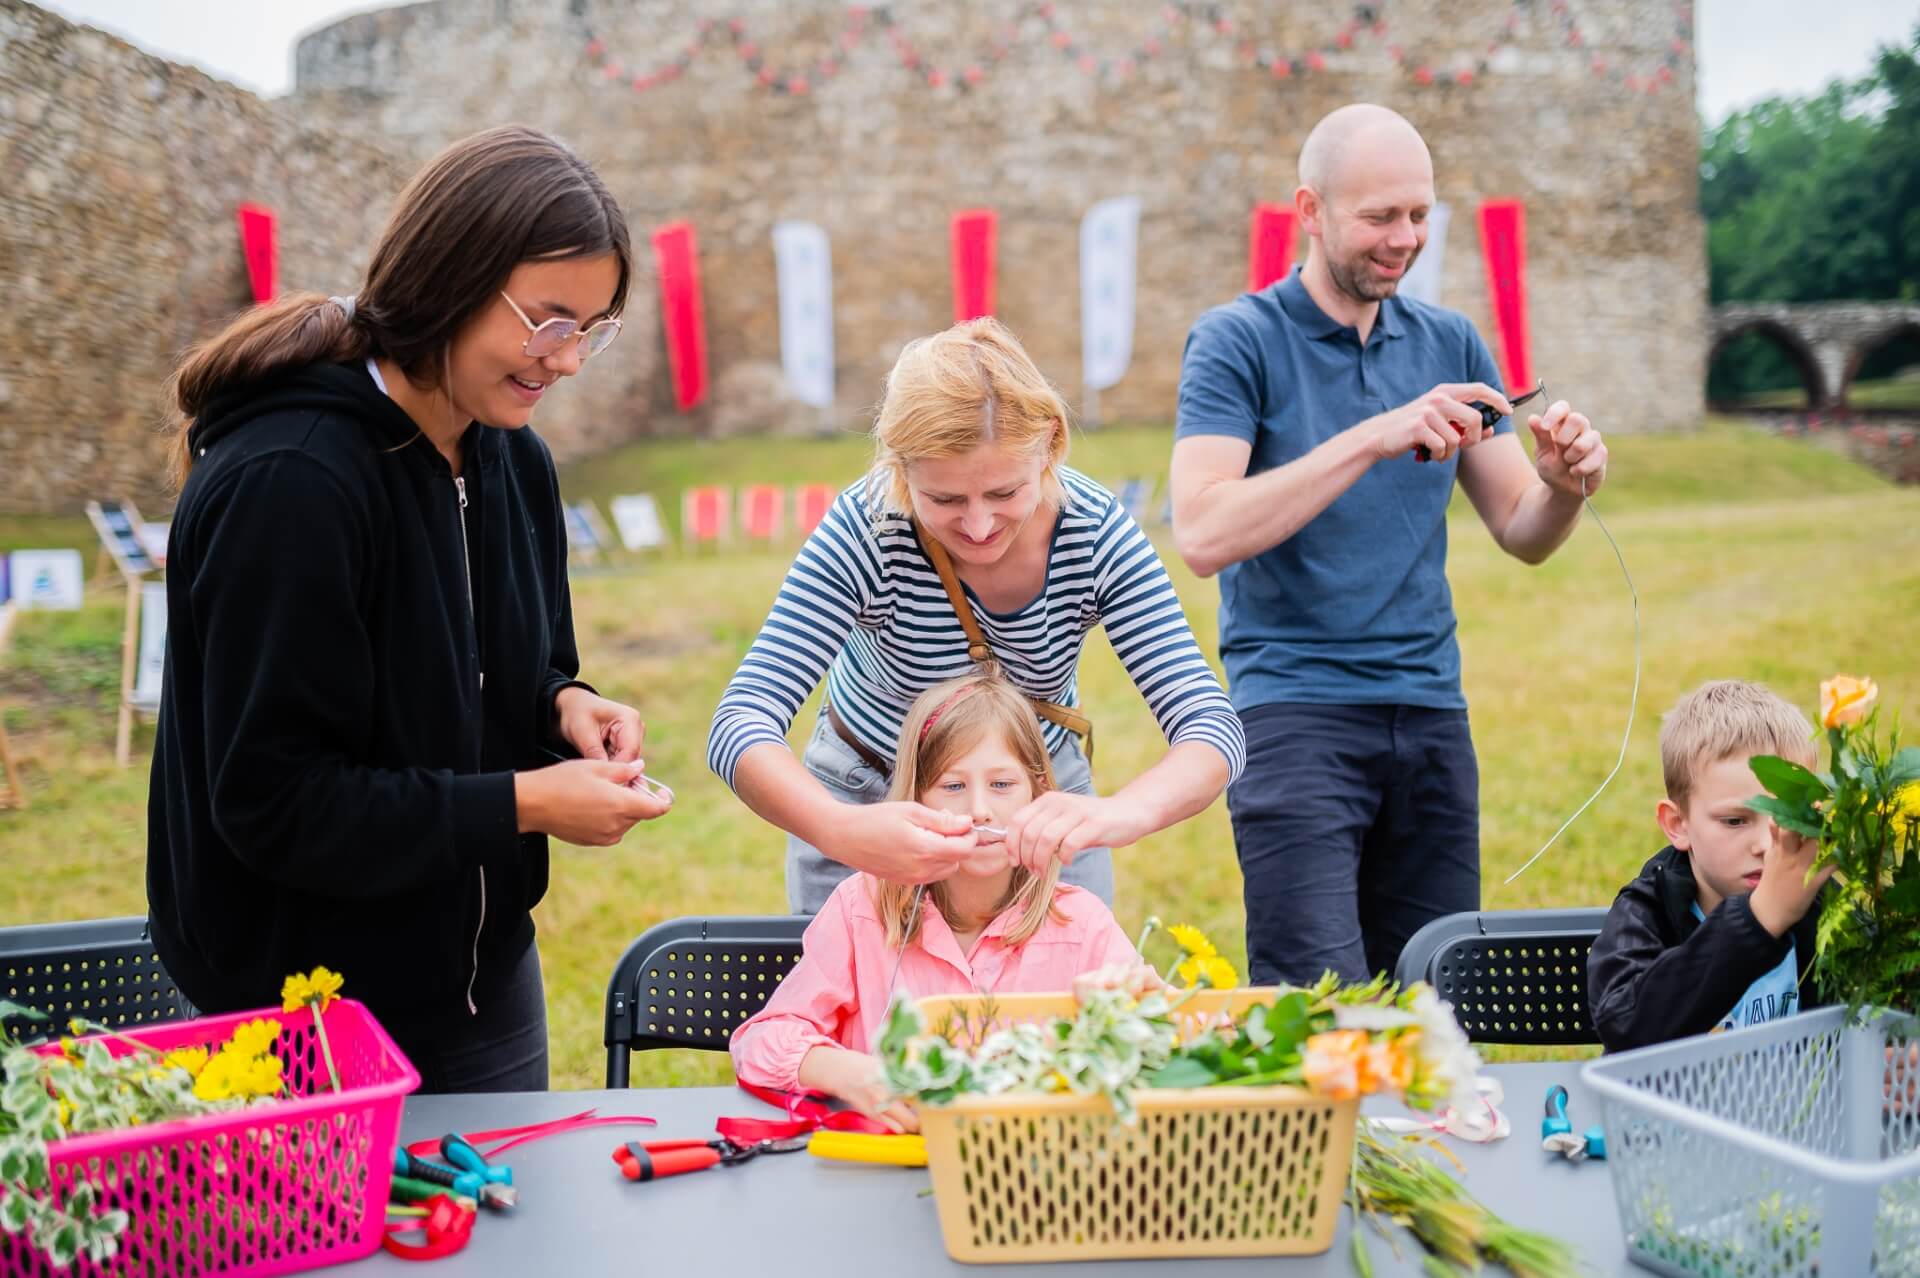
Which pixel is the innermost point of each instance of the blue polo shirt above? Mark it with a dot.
(1354, 609)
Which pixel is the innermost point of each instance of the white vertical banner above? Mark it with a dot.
(803, 263)
(1422, 283)
(1109, 238)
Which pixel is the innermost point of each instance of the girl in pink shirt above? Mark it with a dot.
(969, 745)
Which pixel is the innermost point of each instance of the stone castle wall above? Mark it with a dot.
(119, 178)
(881, 159)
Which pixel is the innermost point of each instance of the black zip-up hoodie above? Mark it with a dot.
(1656, 973)
(343, 712)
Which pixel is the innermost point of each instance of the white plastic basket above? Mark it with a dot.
(1783, 1150)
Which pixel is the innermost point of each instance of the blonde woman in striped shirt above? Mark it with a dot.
(968, 543)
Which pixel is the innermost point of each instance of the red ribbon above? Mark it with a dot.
(805, 1111)
(971, 235)
(511, 1136)
(1269, 245)
(448, 1226)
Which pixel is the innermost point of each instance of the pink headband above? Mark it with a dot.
(944, 706)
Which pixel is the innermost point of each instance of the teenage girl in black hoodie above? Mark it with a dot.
(371, 719)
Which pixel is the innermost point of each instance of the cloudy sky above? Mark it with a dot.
(1748, 49)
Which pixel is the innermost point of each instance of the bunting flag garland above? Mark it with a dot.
(798, 77)
(259, 242)
(1269, 245)
(676, 257)
(972, 235)
(1503, 247)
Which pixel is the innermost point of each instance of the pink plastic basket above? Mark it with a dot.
(270, 1189)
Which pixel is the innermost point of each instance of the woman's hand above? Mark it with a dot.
(597, 728)
(590, 802)
(1063, 825)
(899, 842)
(855, 1077)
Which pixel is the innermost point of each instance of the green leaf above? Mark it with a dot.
(1786, 779)
(1291, 1021)
(1182, 1071)
(13, 1210)
(1904, 767)
(1256, 1029)
(65, 1245)
(1789, 815)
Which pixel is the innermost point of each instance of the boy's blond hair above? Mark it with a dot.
(954, 391)
(1724, 719)
(964, 711)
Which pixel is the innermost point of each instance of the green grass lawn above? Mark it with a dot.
(1753, 556)
(1901, 392)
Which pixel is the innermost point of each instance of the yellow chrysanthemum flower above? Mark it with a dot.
(295, 992)
(1192, 940)
(191, 1059)
(216, 1080)
(319, 987)
(1208, 969)
(254, 1038)
(1906, 806)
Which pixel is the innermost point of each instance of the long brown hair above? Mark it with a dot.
(477, 210)
(970, 709)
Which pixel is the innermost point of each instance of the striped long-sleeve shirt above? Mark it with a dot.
(863, 605)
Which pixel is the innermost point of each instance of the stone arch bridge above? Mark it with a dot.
(1827, 341)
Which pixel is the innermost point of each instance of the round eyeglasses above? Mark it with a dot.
(547, 337)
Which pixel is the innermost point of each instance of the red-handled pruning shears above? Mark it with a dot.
(656, 1158)
(1488, 416)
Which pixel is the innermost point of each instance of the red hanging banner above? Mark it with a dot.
(1269, 245)
(257, 241)
(676, 258)
(972, 234)
(1503, 247)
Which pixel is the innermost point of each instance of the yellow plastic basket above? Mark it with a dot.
(1215, 1171)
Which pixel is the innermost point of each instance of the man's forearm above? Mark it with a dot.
(1542, 519)
(1235, 519)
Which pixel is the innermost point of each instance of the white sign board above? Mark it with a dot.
(153, 645)
(48, 579)
(638, 519)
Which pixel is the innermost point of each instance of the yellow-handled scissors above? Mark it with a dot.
(864, 1147)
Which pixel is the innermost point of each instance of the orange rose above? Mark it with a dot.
(1845, 700)
(1335, 1063)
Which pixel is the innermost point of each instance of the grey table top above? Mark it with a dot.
(793, 1214)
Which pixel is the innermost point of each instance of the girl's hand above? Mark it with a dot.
(1063, 825)
(899, 842)
(855, 1078)
(598, 728)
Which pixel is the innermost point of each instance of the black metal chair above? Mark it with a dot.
(103, 969)
(1513, 976)
(689, 982)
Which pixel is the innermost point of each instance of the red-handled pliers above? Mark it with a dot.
(650, 1160)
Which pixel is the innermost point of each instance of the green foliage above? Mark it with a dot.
(1814, 199)
(1866, 814)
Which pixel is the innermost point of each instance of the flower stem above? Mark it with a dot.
(326, 1051)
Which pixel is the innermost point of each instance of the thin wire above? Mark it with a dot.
(913, 914)
(1633, 703)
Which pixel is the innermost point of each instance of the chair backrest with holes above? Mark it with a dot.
(102, 969)
(689, 982)
(1513, 976)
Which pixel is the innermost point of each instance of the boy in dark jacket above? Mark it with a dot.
(1718, 930)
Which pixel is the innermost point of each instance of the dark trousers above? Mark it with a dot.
(501, 1049)
(1355, 826)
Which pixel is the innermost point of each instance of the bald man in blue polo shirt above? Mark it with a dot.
(1294, 478)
